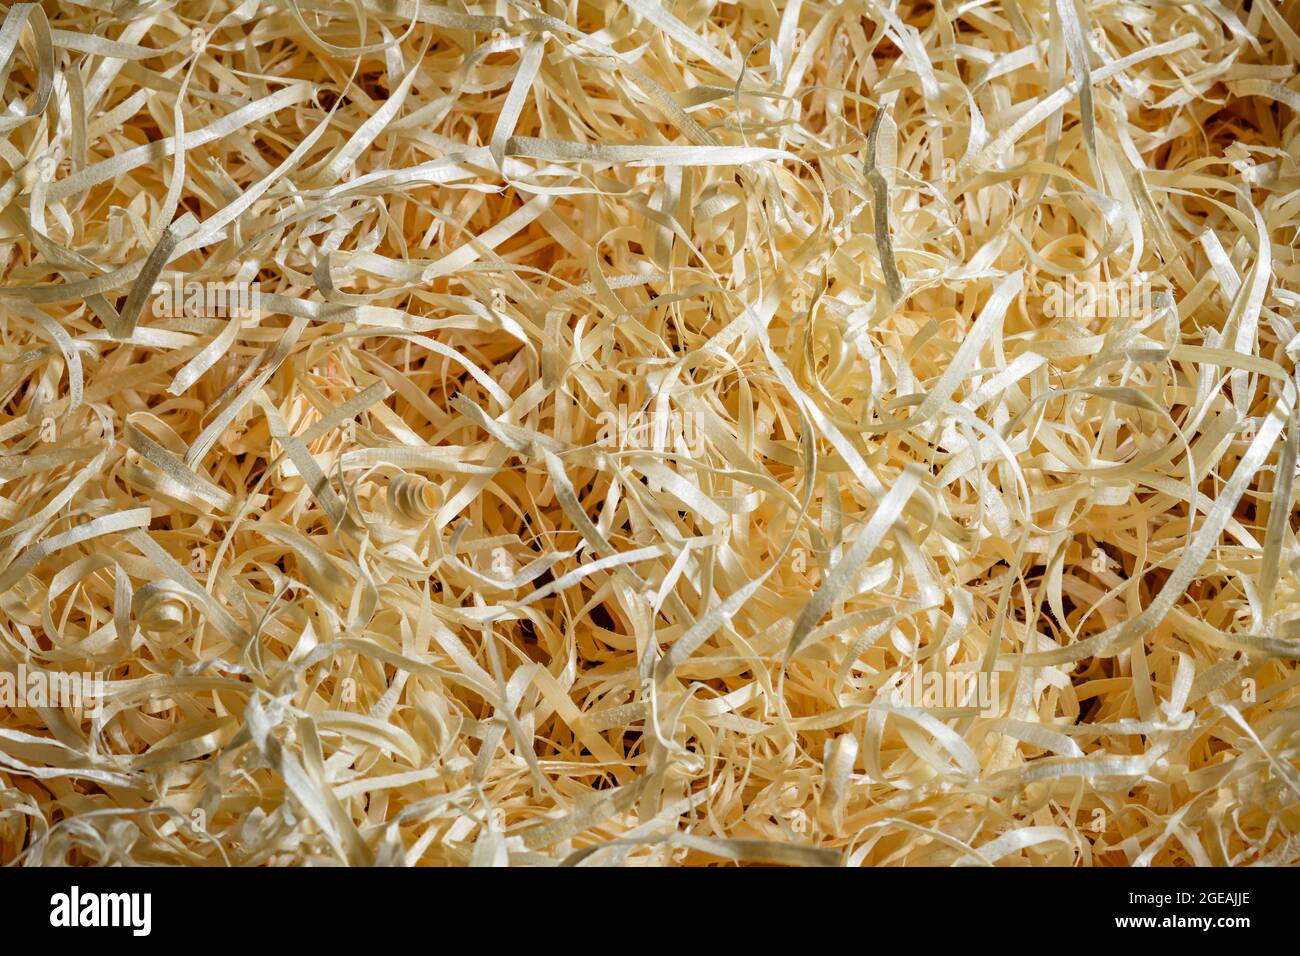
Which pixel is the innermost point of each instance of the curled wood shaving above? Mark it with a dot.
(651, 433)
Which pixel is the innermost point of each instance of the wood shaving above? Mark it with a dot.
(651, 433)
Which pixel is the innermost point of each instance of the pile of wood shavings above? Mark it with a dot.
(638, 395)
